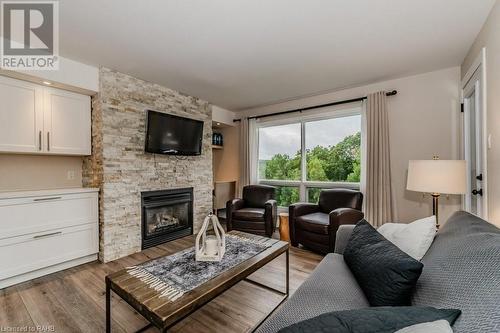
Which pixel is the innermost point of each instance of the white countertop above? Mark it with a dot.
(41, 193)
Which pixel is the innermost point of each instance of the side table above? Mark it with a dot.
(284, 228)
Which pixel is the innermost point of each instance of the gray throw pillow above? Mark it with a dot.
(386, 274)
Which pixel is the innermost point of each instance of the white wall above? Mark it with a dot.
(223, 116)
(489, 37)
(424, 118)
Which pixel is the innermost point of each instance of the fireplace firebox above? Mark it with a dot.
(166, 215)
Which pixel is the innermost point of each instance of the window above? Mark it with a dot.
(301, 156)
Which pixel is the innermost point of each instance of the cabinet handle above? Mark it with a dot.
(47, 235)
(40, 140)
(48, 141)
(47, 199)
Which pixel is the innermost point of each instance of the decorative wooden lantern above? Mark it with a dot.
(210, 247)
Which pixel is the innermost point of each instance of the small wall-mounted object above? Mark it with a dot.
(217, 139)
(210, 247)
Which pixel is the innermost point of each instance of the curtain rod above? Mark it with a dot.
(352, 100)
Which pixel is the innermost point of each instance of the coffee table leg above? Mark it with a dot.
(287, 272)
(108, 307)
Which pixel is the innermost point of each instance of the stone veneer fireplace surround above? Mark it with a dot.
(121, 168)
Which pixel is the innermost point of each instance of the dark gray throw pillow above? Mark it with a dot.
(386, 274)
(372, 320)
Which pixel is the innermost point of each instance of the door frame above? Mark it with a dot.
(477, 71)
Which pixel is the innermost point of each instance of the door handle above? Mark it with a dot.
(476, 192)
(47, 199)
(48, 141)
(47, 235)
(40, 140)
(479, 177)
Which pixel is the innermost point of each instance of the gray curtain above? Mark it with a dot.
(378, 193)
(244, 156)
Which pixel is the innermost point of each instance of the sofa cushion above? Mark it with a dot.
(461, 270)
(414, 238)
(386, 274)
(378, 319)
(330, 287)
(249, 214)
(315, 222)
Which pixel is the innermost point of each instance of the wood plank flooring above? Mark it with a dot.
(73, 300)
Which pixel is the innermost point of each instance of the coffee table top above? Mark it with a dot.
(162, 312)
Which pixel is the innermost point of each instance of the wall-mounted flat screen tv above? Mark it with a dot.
(173, 135)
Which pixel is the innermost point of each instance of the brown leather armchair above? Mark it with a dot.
(255, 213)
(315, 225)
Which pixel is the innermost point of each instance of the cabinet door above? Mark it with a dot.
(21, 116)
(66, 123)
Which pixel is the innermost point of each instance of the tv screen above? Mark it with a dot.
(173, 135)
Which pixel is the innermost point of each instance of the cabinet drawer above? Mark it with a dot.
(27, 253)
(22, 216)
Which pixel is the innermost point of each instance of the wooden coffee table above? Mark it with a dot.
(164, 314)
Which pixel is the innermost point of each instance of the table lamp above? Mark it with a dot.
(437, 177)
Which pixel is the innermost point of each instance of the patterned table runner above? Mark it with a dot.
(179, 273)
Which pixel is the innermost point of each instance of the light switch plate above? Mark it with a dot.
(71, 175)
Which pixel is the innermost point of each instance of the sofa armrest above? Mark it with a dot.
(231, 206)
(342, 237)
(271, 213)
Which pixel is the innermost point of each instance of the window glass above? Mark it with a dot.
(333, 149)
(287, 195)
(279, 152)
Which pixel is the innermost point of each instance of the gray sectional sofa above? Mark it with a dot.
(461, 270)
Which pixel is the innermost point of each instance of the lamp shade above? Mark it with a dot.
(437, 176)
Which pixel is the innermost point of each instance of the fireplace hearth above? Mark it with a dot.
(166, 215)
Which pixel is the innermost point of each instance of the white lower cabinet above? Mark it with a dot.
(44, 233)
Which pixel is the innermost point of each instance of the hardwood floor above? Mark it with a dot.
(74, 300)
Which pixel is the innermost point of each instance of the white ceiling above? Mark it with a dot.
(240, 54)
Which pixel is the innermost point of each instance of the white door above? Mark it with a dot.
(66, 123)
(21, 116)
(474, 134)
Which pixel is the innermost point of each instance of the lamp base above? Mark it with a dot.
(435, 207)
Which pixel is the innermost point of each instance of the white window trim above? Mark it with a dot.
(321, 114)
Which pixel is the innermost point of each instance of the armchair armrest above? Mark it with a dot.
(343, 234)
(271, 213)
(296, 210)
(231, 206)
(339, 217)
(235, 204)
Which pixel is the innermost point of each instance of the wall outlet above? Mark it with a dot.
(70, 175)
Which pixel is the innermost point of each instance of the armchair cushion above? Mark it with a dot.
(249, 214)
(314, 222)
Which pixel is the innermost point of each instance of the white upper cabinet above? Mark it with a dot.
(21, 116)
(67, 122)
(43, 120)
